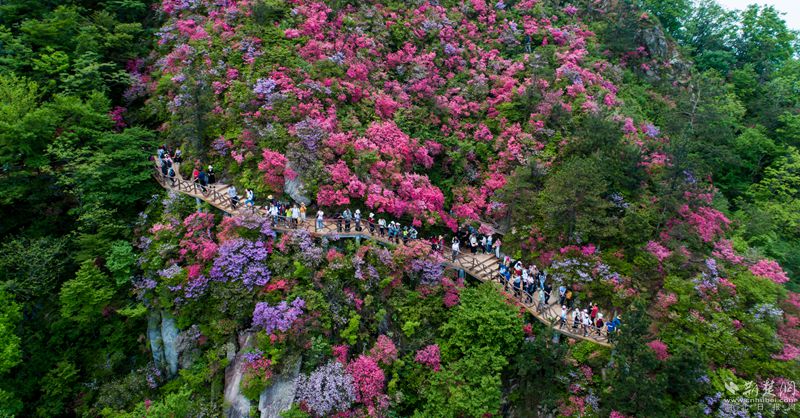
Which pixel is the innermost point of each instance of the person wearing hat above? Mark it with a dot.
(599, 325)
(587, 322)
(212, 178)
(371, 221)
(357, 218)
(339, 219)
(563, 317)
(348, 216)
(382, 227)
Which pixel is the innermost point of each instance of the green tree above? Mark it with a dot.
(120, 261)
(707, 32)
(476, 340)
(573, 202)
(671, 13)
(764, 40)
(633, 385)
(9, 341)
(84, 297)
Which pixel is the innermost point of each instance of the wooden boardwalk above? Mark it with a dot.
(484, 267)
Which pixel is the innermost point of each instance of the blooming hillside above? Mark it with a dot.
(629, 168)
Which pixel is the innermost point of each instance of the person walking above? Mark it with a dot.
(599, 325)
(348, 216)
(587, 322)
(274, 213)
(371, 222)
(303, 213)
(568, 298)
(483, 244)
(320, 222)
(202, 179)
(357, 219)
(563, 317)
(382, 227)
(212, 177)
(488, 245)
(473, 243)
(456, 247)
(562, 294)
(233, 196)
(339, 219)
(249, 197)
(295, 216)
(171, 175)
(576, 319)
(496, 246)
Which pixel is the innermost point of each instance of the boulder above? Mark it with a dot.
(295, 188)
(279, 396)
(169, 337)
(237, 405)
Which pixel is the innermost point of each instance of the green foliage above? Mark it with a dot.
(470, 385)
(120, 261)
(10, 354)
(294, 412)
(84, 297)
(177, 404)
(350, 333)
(477, 336)
(58, 386)
(671, 13)
(573, 201)
(634, 386)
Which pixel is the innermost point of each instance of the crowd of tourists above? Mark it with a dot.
(522, 281)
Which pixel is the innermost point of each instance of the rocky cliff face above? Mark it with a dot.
(238, 404)
(279, 396)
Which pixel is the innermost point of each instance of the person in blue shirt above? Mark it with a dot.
(612, 327)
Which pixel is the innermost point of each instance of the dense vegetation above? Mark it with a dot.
(645, 152)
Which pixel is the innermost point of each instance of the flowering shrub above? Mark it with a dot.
(279, 317)
(769, 269)
(659, 348)
(429, 356)
(368, 379)
(243, 261)
(384, 350)
(327, 390)
(661, 252)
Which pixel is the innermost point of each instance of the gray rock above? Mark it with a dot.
(154, 335)
(279, 396)
(169, 337)
(295, 188)
(237, 405)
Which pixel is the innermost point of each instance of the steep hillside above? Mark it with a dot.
(625, 149)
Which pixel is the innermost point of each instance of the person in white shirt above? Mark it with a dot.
(273, 212)
(320, 224)
(295, 215)
(382, 227)
(234, 196)
(456, 248)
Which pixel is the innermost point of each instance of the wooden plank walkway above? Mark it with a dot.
(484, 267)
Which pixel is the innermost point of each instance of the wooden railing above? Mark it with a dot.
(482, 266)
